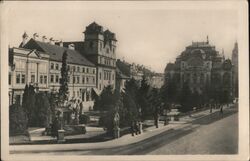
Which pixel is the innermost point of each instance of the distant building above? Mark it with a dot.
(157, 80)
(200, 64)
(235, 69)
(128, 71)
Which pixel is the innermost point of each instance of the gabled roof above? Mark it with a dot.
(56, 52)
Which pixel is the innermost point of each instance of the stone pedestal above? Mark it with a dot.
(116, 132)
(60, 138)
(140, 128)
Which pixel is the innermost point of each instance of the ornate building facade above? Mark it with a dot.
(91, 63)
(199, 65)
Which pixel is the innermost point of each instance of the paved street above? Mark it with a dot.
(211, 134)
(220, 137)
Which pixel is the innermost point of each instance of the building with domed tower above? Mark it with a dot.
(200, 65)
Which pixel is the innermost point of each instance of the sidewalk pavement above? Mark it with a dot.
(122, 141)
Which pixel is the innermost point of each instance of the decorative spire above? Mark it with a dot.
(25, 35)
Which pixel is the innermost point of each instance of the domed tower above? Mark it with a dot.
(100, 48)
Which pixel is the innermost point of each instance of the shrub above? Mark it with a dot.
(17, 120)
(84, 119)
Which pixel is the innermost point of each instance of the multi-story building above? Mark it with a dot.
(27, 66)
(92, 65)
(200, 64)
(99, 47)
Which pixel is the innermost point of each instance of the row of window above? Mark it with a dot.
(73, 68)
(21, 78)
(106, 61)
(91, 46)
(73, 79)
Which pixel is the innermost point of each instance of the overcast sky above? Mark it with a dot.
(148, 33)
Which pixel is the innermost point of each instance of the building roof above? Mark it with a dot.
(121, 75)
(56, 52)
(123, 67)
(94, 28)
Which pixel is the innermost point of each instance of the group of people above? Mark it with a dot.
(135, 128)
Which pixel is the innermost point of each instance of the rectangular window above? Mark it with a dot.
(52, 66)
(74, 79)
(57, 78)
(113, 77)
(41, 79)
(52, 78)
(23, 78)
(83, 70)
(18, 78)
(74, 68)
(93, 71)
(83, 79)
(32, 78)
(78, 94)
(78, 79)
(87, 80)
(87, 70)
(45, 79)
(78, 69)
(93, 79)
(57, 66)
(9, 79)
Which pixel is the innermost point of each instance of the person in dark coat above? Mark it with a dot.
(55, 127)
(132, 128)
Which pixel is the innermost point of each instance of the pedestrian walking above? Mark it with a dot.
(221, 110)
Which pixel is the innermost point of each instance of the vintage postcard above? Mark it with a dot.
(124, 80)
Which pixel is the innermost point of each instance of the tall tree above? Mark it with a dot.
(63, 90)
(18, 121)
(143, 101)
(28, 103)
(106, 100)
(43, 110)
(130, 101)
(186, 99)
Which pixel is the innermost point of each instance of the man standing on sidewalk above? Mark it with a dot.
(221, 109)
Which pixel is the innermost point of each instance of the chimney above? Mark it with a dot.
(61, 43)
(35, 35)
(51, 40)
(44, 38)
(25, 38)
(71, 46)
